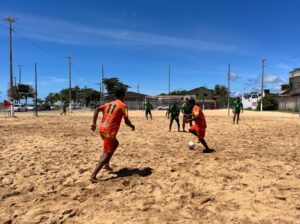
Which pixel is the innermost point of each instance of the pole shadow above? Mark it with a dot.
(127, 172)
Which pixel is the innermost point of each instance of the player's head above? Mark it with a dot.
(187, 100)
(175, 103)
(120, 94)
(238, 98)
(192, 102)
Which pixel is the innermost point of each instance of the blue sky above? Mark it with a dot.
(136, 40)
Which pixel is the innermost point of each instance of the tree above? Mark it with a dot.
(112, 84)
(221, 93)
(269, 103)
(178, 92)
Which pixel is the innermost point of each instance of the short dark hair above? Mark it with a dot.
(119, 93)
(192, 101)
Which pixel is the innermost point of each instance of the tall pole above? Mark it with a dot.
(20, 73)
(138, 88)
(11, 94)
(262, 83)
(102, 85)
(228, 94)
(84, 97)
(70, 82)
(169, 78)
(36, 89)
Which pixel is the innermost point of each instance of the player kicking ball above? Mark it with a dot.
(112, 114)
(198, 129)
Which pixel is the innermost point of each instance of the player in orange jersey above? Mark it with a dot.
(112, 114)
(199, 127)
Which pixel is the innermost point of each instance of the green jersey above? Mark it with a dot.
(237, 105)
(148, 106)
(186, 108)
(174, 111)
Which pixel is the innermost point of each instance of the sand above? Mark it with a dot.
(253, 177)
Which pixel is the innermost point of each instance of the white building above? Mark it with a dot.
(250, 100)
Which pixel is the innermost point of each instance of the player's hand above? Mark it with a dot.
(93, 127)
(132, 127)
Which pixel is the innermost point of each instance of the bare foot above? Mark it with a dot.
(93, 180)
(108, 168)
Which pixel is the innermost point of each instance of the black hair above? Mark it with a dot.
(192, 101)
(119, 93)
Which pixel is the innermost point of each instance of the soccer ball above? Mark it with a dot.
(191, 145)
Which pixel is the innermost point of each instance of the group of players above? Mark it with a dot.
(113, 113)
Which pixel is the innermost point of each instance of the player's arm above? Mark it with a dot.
(194, 116)
(95, 117)
(128, 123)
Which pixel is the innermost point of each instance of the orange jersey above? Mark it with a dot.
(112, 114)
(200, 118)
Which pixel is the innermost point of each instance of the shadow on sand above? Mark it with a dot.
(126, 172)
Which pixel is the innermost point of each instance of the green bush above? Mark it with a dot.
(269, 103)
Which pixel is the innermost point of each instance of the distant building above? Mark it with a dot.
(289, 97)
(250, 100)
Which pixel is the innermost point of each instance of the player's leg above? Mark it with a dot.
(234, 115)
(171, 123)
(108, 148)
(184, 118)
(106, 166)
(178, 124)
(150, 113)
(146, 113)
(237, 118)
(105, 157)
(193, 130)
(203, 142)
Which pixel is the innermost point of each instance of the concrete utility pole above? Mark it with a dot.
(36, 89)
(169, 79)
(70, 82)
(138, 88)
(10, 21)
(20, 73)
(102, 84)
(262, 83)
(228, 94)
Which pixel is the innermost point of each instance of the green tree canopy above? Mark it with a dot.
(112, 84)
(269, 103)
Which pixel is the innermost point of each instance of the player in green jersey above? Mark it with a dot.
(187, 113)
(148, 107)
(173, 114)
(237, 108)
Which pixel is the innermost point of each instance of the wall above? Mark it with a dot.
(288, 102)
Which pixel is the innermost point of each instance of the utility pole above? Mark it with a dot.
(102, 85)
(70, 82)
(228, 94)
(15, 81)
(138, 88)
(169, 79)
(36, 89)
(84, 97)
(262, 83)
(10, 21)
(20, 73)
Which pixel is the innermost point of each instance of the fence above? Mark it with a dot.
(289, 103)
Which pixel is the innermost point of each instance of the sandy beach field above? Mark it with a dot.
(253, 177)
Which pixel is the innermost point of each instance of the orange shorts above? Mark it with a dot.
(200, 132)
(109, 142)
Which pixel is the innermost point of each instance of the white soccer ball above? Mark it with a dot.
(191, 145)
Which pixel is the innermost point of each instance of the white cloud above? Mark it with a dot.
(271, 78)
(57, 31)
(234, 76)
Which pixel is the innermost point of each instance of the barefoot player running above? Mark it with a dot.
(113, 113)
(199, 127)
(187, 113)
